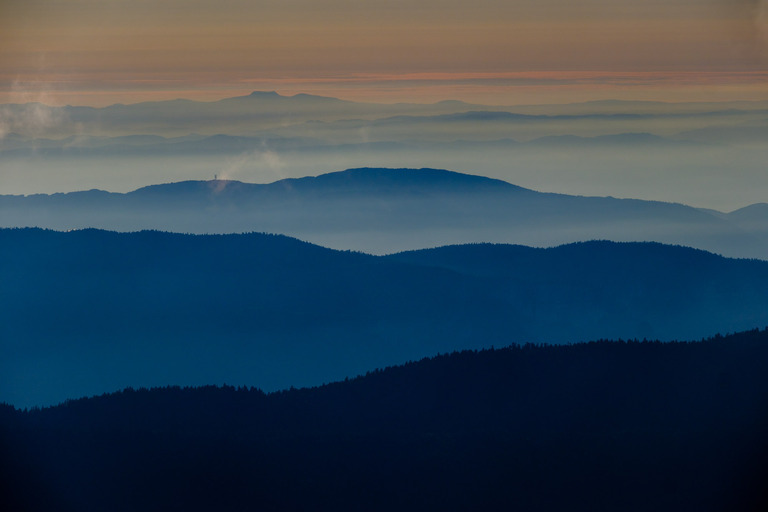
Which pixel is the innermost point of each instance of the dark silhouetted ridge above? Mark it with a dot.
(577, 262)
(394, 180)
(607, 425)
(352, 181)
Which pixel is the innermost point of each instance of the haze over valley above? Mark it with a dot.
(623, 149)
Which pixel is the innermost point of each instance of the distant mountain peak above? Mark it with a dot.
(391, 180)
(285, 99)
(264, 94)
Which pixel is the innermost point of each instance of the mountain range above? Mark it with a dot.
(264, 110)
(84, 312)
(260, 109)
(14, 146)
(390, 210)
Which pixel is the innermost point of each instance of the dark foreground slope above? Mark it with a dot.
(596, 427)
(88, 312)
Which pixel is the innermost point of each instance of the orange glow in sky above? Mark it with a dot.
(96, 52)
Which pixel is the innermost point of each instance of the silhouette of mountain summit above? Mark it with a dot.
(389, 210)
(361, 180)
(264, 94)
(296, 99)
(375, 180)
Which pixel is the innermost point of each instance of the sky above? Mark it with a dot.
(99, 52)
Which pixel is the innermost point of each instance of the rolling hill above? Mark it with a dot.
(95, 311)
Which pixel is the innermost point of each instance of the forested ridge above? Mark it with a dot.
(154, 309)
(606, 425)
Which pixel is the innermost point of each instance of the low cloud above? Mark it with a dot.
(258, 163)
(31, 116)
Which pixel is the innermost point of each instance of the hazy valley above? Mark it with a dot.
(619, 148)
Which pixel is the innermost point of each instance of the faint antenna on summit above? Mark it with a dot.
(215, 177)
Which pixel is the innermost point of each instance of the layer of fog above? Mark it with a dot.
(718, 177)
(703, 154)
